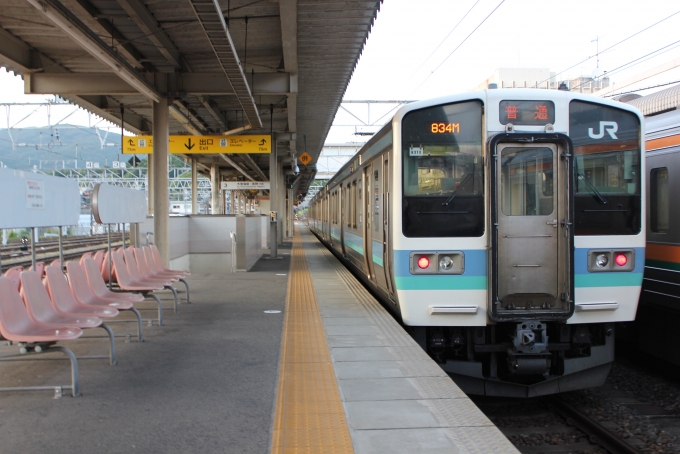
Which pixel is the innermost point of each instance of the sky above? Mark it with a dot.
(428, 48)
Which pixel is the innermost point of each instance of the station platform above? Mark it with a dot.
(331, 372)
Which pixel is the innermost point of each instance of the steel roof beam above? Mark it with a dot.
(18, 56)
(213, 112)
(236, 166)
(253, 165)
(208, 14)
(191, 115)
(180, 116)
(288, 10)
(141, 15)
(95, 46)
(104, 26)
(266, 84)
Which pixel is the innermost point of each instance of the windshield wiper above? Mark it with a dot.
(593, 190)
(462, 183)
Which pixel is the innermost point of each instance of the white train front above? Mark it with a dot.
(504, 227)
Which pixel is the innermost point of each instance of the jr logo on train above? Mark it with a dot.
(503, 228)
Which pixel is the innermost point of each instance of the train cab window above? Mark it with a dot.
(443, 180)
(607, 155)
(659, 206)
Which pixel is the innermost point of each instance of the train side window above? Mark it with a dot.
(659, 209)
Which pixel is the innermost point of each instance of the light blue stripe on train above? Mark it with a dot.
(473, 278)
(355, 242)
(583, 278)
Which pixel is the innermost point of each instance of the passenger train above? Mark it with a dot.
(659, 311)
(503, 228)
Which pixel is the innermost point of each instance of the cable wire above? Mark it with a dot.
(630, 63)
(447, 37)
(608, 48)
(458, 47)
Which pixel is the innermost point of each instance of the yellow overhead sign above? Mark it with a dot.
(201, 144)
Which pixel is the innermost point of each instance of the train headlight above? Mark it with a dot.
(611, 260)
(445, 263)
(430, 262)
(602, 261)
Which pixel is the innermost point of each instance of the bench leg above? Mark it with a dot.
(75, 391)
(160, 308)
(174, 293)
(187, 286)
(112, 348)
(139, 324)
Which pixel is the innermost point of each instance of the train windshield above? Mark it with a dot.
(607, 155)
(443, 187)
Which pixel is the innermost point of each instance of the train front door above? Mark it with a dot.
(532, 232)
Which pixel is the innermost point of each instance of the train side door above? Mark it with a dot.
(377, 240)
(368, 222)
(342, 217)
(532, 235)
(387, 263)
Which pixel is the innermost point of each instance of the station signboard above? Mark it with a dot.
(244, 185)
(252, 144)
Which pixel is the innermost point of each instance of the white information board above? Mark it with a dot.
(116, 205)
(30, 199)
(244, 185)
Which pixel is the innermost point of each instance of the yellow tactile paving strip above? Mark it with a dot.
(309, 417)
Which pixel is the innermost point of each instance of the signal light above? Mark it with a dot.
(621, 259)
(423, 263)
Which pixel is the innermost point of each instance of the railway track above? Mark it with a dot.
(551, 425)
(47, 251)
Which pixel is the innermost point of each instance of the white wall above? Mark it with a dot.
(209, 234)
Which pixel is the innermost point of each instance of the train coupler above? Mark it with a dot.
(529, 352)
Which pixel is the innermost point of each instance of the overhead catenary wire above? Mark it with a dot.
(639, 60)
(459, 45)
(608, 48)
(447, 37)
(641, 89)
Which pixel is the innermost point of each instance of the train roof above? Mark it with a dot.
(659, 102)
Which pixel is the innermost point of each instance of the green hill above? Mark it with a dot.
(59, 147)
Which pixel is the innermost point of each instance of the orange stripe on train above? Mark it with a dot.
(662, 142)
(663, 252)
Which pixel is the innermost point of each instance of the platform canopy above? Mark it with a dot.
(222, 63)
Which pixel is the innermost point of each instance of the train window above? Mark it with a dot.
(526, 181)
(607, 154)
(659, 209)
(443, 180)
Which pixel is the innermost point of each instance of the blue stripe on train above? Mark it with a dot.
(475, 262)
(583, 278)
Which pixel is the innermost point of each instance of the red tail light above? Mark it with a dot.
(621, 259)
(423, 263)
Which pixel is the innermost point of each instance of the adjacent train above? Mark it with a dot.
(659, 310)
(503, 228)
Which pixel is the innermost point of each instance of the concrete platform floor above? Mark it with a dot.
(203, 383)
